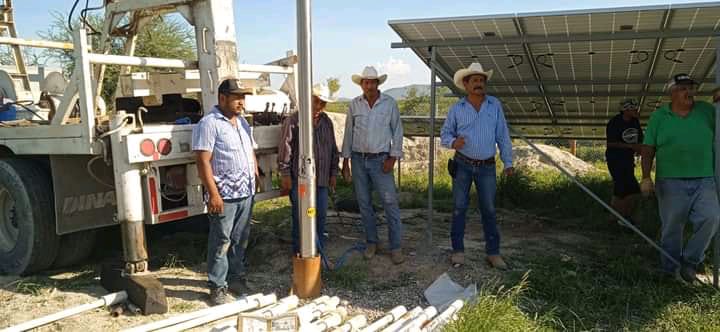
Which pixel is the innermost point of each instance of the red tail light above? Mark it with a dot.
(147, 147)
(164, 146)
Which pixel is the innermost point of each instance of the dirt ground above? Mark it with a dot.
(370, 287)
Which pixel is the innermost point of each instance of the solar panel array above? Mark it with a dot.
(564, 74)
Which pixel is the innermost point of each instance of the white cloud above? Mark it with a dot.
(394, 67)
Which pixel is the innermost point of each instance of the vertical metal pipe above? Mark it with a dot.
(716, 245)
(306, 167)
(431, 162)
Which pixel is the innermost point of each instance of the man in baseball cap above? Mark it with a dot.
(679, 138)
(624, 137)
(227, 166)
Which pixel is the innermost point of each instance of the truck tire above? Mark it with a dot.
(74, 248)
(28, 242)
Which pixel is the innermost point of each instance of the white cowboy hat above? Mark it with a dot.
(322, 91)
(473, 69)
(369, 73)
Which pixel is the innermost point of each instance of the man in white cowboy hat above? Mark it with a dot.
(326, 155)
(474, 127)
(373, 142)
(679, 138)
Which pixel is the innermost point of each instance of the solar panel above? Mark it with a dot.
(563, 74)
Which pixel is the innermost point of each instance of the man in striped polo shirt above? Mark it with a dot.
(224, 149)
(474, 127)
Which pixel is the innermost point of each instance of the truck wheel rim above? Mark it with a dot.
(8, 221)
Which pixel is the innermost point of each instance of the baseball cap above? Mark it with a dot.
(233, 86)
(630, 104)
(681, 79)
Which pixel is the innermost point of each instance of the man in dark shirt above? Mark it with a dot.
(624, 137)
(326, 161)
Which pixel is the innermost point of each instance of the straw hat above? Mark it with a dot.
(322, 91)
(473, 69)
(369, 73)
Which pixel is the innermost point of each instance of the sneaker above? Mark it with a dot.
(397, 256)
(219, 296)
(497, 262)
(457, 259)
(239, 287)
(370, 251)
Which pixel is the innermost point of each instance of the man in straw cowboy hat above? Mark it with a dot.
(474, 127)
(373, 142)
(326, 155)
(679, 137)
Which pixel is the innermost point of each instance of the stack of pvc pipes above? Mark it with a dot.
(105, 301)
(283, 306)
(316, 309)
(326, 321)
(389, 318)
(353, 324)
(418, 321)
(404, 319)
(204, 316)
(447, 316)
(306, 313)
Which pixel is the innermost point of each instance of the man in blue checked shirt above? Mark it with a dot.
(474, 127)
(227, 166)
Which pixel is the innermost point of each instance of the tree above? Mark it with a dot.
(163, 38)
(333, 84)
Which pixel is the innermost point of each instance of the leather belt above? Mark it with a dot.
(474, 162)
(370, 155)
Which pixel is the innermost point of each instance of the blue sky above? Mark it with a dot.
(347, 35)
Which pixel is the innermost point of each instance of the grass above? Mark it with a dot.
(499, 309)
(183, 307)
(352, 276)
(609, 283)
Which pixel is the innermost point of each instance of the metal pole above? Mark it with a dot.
(595, 197)
(306, 167)
(431, 165)
(716, 245)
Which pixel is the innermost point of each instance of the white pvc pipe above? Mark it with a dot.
(353, 324)
(390, 317)
(307, 313)
(281, 307)
(327, 321)
(220, 313)
(270, 69)
(195, 314)
(417, 323)
(36, 43)
(445, 317)
(105, 301)
(404, 319)
(126, 60)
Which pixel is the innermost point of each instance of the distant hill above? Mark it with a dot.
(401, 92)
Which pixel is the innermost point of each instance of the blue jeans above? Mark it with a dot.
(682, 200)
(485, 185)
(227, 241)
(321, 203)
(367, 174)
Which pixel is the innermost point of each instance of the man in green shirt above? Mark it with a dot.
(680, 137)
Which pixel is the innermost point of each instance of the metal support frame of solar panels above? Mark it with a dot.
(665, 39)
